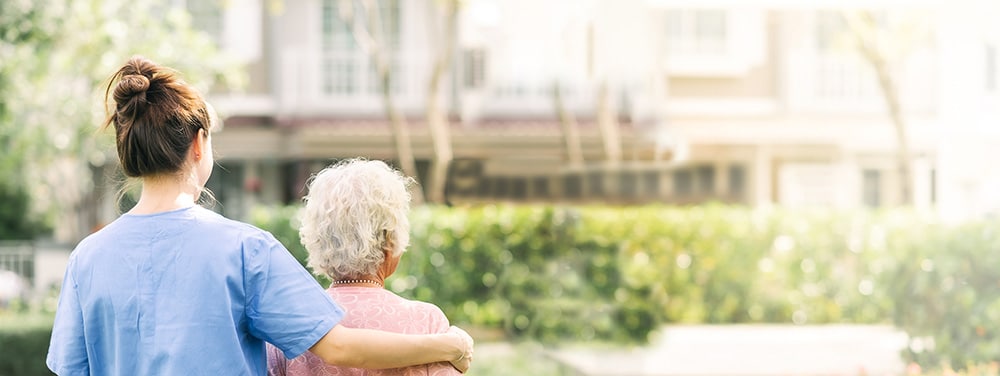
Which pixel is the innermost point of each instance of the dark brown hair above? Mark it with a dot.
(156, 117)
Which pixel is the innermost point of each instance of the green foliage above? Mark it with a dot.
(16, 222)
(55, 59)
(947, 287)
(522, 359)
(616, 274)
(282, 222)
(25, 341)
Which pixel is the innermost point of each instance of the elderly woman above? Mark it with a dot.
(355, 228)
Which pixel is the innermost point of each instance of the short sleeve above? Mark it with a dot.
(285, 306)
(439, 324)
(438, 320)
(67, 346)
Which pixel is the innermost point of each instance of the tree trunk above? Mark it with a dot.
(437, 119)
(862, 23)
(607, 122)
(570, 129)
(891, 95)
(372, 42)
(401, 135)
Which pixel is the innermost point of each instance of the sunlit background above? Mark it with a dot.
(674, 164)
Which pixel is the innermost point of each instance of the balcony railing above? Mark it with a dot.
(19, 258)
(845, 82)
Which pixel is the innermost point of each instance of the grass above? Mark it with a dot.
(524, 359)
(21, 320)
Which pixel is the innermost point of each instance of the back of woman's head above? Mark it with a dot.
(156, 117)
(352, 210)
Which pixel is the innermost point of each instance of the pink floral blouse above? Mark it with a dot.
(370, 308)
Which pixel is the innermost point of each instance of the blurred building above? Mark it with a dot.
(753, 102)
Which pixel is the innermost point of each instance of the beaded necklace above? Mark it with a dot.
(355, 281)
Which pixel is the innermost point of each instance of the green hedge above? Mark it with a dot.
(24, 339)
(17, 222)
(609, 273)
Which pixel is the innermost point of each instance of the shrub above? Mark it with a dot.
(16, 220)
(618, 273)
(24, 339)
(946, 288)
(282, 222)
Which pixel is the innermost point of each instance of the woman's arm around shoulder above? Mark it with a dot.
(374, 349)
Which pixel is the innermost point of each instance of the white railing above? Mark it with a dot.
(18, 257)
(845, 82)
(17, 271)
(29, 267)
(507, 97)
(300, 86)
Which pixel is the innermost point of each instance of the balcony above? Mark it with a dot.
(843, 82)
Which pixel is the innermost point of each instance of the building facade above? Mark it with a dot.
(756, 104)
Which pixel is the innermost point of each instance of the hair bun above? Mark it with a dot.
(131, 86)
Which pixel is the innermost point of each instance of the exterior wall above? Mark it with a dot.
(770, 117)
(812, 146)
(299, 69)
(751, 77)
(969, 107)
(757, 83)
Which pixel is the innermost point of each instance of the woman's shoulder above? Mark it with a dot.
(218, 224)
(429, 307)
(371, 302)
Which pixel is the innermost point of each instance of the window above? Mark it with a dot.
(473, 68)
(227, 187)
(206, 15)
(702, 32)
(840, 75)
(871, 188)
(345, 68)
(511, 90)
(595, 183)
(830, 30)
(706, 179)
(485, 186)
(990, 74)
(573, 185)
(540, 186)
(389, 10)
(395, 83)
(710, 25)
(590, 49)
(337, 36)
(737, 180)
(501, 186)
(933, 181)
(628, 183)
(651, 183)
(682, 183)
(339, 76)
(464, 176)
(519, 188)
(294, 176)
(19, 259)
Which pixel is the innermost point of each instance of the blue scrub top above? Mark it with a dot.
(184, 292)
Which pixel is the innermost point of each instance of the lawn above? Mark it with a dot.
(524, 359)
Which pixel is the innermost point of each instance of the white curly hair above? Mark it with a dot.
(352, 209)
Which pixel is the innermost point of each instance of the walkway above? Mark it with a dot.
(749, 350)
